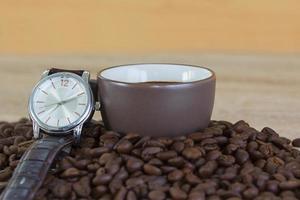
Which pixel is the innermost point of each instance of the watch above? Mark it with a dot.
(59, 106)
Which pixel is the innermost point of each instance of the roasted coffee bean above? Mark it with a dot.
(177, 161)
(102, 179)
(166, 155)
(61, 189)
(226, 160)
(134, 164)
(157, 195)
(152, 170)
(266, 150)
(198, 136)
(192, 178)
(296, 142)
(175, 175)
(124, 146)
(70, 173)
(241, 156)
(178, 146)
(82, 187)
(98, 151)
(99, 191)
(121, 194)
(149, 152)
(290, 184)
(177, 193)
(191, 153)
(133, 182)
(198, 195)
(208, 169)
(155, 161)
(223, 161)
(131, 195)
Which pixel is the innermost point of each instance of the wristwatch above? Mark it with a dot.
(59, 106)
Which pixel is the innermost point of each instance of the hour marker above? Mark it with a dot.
(48, 119)
(52, 83)
(58, 122)
(80, 94)
(68, 120)
(74, 86)
(41, 112)
(40, 101)
(82, 104)
(77, 113)
(43, 91)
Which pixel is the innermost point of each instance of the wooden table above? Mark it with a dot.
(260, 89)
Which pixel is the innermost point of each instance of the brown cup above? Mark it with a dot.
(156, 99)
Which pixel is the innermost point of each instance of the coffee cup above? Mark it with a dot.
(156, 99)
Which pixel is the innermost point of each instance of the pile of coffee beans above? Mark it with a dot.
(224, 161)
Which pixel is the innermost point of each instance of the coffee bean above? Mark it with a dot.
(155, 161)
(134, 164)
(102, 179)
(266, 150)
(148, 152)
(166, 155)
(177, 161)
(198, 136)
(124, 146)
(152, 170)
(223, 161)
(175, 175)
(82, 187)
(192, 178)
(131, 195)
(296, 142)
(98, 151)
(241, 156)
(178, 146)
(157, 195)
(105, 157)
(177, 193)
(208, 169)
(289, 185)
(5, 174)
(191, 153)
(70, 173)
(121, 194)
(198, 195)
(133, 182)
(61, 189)
(226, 160)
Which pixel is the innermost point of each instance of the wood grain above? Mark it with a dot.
(263, 90)
(35, 27)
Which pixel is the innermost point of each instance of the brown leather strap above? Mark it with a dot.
(56, 70)
(93, 83)
(33, 167)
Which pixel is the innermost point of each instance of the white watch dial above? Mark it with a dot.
(59, 100)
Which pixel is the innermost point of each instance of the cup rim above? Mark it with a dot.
(212, 76)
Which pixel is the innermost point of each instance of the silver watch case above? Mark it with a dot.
(74, 127)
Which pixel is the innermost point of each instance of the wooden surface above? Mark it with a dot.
(263, 90)
(100, 26)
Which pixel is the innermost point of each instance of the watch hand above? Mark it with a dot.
(54, 109)
(69, 99)
(50, 104)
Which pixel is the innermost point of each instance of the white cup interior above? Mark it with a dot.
(140, 73)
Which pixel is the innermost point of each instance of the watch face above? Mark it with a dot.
(60, 101)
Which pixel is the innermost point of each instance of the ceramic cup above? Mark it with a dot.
(156, 99)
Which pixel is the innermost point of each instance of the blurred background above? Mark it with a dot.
(253, 46)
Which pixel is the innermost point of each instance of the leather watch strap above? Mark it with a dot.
(56, 70)
(33, 167)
